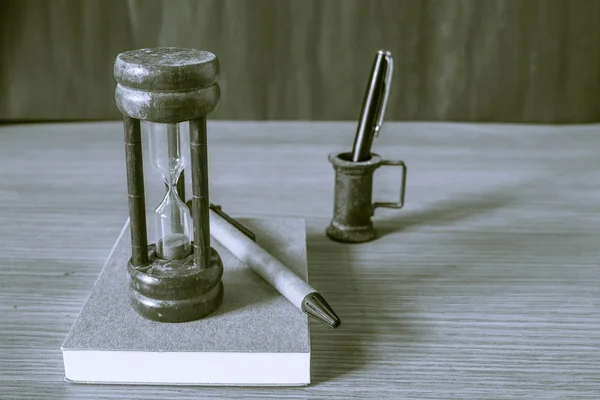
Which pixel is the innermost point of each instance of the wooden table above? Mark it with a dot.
(486, 286)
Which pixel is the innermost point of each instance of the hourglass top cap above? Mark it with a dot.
(166, 84)
(166, 69)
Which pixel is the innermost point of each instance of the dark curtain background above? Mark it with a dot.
(457, 60)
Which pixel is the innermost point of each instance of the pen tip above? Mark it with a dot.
(315, 305)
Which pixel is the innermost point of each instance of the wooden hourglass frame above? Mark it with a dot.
(170, 86)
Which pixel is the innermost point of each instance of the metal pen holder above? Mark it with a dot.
(353, 206)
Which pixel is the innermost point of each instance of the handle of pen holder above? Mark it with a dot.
(353, 206)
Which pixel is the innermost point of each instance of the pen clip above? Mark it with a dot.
(217, 209)
(386, 89)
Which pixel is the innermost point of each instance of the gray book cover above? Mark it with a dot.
(256, 337)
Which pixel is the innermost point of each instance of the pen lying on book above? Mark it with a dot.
(240, 242)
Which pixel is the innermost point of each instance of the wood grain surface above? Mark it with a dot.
(484, 287)
(459, 60)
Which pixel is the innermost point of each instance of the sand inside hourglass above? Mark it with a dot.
(174, 246)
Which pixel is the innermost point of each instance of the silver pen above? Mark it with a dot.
(241, 242)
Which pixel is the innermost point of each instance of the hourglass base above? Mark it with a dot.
(175, 290)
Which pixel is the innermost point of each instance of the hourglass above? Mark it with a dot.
(178, 277)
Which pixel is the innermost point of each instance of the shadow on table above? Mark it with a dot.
(447, 212)
(339, 272)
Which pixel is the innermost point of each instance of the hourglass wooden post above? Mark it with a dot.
(173, 279)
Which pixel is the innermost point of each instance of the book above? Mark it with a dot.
(255, 337)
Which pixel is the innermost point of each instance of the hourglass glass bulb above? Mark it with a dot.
(172, 217)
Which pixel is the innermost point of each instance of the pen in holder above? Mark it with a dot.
(353, 206)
